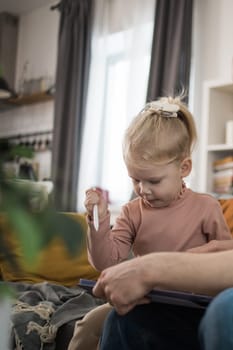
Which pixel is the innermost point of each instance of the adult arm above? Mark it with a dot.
(213, 246)
(126, 284)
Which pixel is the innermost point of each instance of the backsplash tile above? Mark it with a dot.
(27, 119)
(30, 119)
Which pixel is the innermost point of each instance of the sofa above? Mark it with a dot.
(55, 268)
(227, 208)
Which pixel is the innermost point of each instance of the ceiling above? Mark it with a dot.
(19, 7)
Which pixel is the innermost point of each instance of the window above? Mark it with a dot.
(117, 92)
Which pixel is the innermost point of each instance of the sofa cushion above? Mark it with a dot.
(54, 263)
(227, 208)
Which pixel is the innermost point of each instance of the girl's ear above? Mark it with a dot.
(186, 167)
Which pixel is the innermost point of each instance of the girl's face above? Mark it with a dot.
(159, 185)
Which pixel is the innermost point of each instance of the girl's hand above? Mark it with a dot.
(94, 196)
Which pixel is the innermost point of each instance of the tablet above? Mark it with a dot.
(165, 296)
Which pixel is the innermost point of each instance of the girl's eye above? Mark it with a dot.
(135, 181)
(155, 182)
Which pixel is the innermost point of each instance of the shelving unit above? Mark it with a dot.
(217, 110)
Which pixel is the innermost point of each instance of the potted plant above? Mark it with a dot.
(32, 219)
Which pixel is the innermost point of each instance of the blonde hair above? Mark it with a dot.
(157, 135)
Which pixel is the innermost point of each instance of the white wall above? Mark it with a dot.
(213, 47)
(215, 37)
(37, 45)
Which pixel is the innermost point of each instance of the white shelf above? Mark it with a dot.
(25, 100)
(217, 109)
(225, 86)
(219, 147)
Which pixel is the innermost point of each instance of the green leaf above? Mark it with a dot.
(6, 290)
(61, 225)
(71, 232)
(5, 252)
(21, 151)
(34, 230)
(27, 232)
(11, 152)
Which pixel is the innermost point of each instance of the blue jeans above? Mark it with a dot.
(216, 328)
(153, 327)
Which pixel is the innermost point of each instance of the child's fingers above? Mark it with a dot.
(92, 197)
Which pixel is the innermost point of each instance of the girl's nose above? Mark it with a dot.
(144, 188)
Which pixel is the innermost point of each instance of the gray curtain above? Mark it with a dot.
(171, 49)
(73, 62)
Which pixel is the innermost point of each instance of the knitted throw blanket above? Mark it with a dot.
(40, 309)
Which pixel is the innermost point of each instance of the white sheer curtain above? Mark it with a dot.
(120, 63)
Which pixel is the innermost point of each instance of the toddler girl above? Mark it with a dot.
(165, 215)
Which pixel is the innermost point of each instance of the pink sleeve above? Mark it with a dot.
(215, 226)
(107, 246)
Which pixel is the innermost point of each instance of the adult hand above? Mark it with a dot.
(94, 196)
(123, 285)
(213, 246)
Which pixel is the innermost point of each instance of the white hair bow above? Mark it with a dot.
(167, 109)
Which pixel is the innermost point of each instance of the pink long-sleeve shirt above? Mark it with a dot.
(190, 221)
